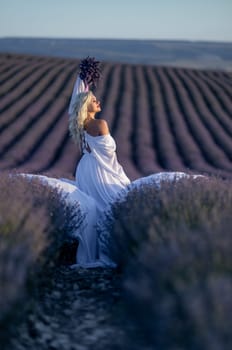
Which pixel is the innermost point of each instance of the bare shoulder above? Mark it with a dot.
(97, 127)
(102, 127)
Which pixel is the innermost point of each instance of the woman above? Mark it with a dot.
(98, 173)
(99, 176)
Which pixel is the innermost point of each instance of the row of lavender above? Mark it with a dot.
(173, 244)
(162, 118)
(36, 223)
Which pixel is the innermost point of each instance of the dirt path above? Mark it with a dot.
(81, 309)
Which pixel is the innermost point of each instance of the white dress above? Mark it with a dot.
(100, 180)
(98, 173)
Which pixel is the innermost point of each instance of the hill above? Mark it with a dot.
(163, 118)
(177, 53)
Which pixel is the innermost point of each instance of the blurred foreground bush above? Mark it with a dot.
(149, 212)
(35, 220)
(174, 245)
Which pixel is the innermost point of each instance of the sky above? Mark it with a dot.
(209, 20)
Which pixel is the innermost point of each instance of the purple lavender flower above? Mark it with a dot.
(90, 71)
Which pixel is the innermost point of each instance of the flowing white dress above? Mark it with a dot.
(100, 180)
(98, 173)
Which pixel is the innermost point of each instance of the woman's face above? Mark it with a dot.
(94, 105)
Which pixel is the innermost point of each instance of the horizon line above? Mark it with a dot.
(119, 39)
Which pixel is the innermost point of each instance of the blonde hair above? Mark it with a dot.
(78, 117)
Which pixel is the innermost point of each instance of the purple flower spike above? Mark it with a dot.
(90, 71)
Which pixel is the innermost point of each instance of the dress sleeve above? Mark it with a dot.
(79, 87)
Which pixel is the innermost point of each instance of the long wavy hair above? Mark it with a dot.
(78, 117)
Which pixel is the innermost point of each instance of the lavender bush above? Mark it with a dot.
(184, 296)
(174, 246)
(34, 223)
(149, 213)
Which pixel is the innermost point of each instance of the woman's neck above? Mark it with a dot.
(88, 120)
(90, 116)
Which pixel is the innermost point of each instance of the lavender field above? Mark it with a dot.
(178, 249)
(162, 118)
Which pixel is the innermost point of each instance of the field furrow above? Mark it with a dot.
(122, 124)
(145, 155)
(186, 144)
(46, 112)
(223, 98)
(162, 118)
(205, 109)
(212, 154)
(23, 107)
(215, 97)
